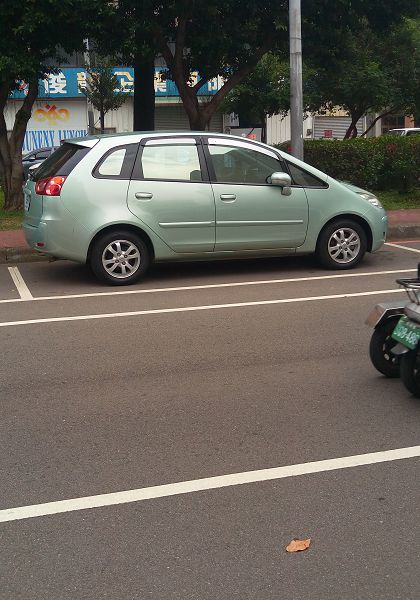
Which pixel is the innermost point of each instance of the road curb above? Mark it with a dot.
(403, 232)
(20, 255)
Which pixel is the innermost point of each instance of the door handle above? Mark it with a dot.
(228, 197)
(143, 195)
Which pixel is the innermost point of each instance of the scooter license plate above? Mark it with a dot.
(407, 333)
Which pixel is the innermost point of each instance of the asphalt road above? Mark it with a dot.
(204, 370)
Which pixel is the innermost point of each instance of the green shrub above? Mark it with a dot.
(384, 163)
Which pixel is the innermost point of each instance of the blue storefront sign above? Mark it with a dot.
(68, 83)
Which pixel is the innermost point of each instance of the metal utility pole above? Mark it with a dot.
(296, 94)
(89, 107)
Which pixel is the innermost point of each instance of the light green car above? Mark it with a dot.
(120, 202)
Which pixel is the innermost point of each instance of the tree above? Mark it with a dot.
(265, 92)
(376, 72)
(227, 38)
(137, 48)
(31, 44)
(102, 89)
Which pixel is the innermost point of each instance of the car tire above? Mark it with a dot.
(119, 258)
(341, 245)
(381, 344)
(410, 371)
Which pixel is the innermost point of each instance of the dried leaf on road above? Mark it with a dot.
(298, 545)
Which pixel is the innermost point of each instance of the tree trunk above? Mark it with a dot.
(263, 128)
(352, 130)
(144, 93)
(102, 118)
(200, 114)
(381, 116)
(11, 149)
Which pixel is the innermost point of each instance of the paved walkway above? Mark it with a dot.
(12, 239)
(403, 225)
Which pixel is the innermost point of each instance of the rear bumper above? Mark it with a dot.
(51, 239)
(35, 236)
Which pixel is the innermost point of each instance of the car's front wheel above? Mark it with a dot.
(119, 258)
(341, 245)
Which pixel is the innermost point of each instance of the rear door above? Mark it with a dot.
(170, 192)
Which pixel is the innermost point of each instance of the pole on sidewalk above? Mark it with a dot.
(296, 94)
(89, 107)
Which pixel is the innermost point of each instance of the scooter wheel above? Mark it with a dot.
(410, 371)
(380, 349)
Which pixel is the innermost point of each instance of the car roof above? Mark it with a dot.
(168, 133)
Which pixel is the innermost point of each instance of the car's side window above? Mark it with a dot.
(236, 164)
(179, 162)
(116, 163)
(303, 178)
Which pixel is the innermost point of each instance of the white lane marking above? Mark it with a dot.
(21, 286)
(157, 311)
(208, 483)
(214, 285)
(403, 247)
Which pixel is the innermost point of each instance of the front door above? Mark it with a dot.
(252, 214)
(170, 193)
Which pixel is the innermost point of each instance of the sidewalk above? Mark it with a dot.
(403, 225)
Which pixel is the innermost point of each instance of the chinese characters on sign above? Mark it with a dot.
(69, 83)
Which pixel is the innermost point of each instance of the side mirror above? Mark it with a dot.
(283, 180)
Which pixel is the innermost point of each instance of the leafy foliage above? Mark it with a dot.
(266, 91)
(388, 162)
(33, 37)
(227, 38)
(102, 89)
(376, 72)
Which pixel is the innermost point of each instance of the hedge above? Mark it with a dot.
(388, 162)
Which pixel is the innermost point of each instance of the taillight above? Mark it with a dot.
(50, 186)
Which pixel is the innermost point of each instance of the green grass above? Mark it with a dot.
(9, 220)
(393, 200)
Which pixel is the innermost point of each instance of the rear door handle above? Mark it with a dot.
(143, 195)
(228, 197)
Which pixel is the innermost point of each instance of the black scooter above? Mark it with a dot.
(394, 347)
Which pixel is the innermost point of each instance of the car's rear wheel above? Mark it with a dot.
(119, 258)
(341, 245)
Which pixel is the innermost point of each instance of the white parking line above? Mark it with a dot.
(157, 311)
(208, 483)
(21, 286)
(213, 286)
(403, 247)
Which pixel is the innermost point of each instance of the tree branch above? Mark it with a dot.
(384, 114)
(22, 117)
(180, 41)
(196, 87)
(237, 77)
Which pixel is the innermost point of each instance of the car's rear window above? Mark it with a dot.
(61, 162)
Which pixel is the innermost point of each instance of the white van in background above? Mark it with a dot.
(405, 131)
